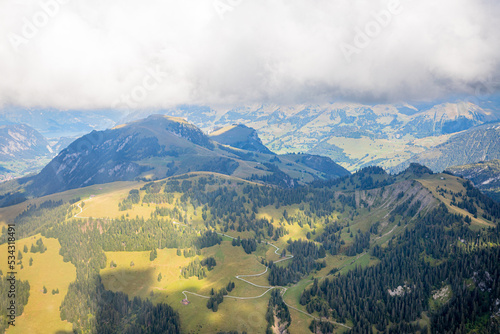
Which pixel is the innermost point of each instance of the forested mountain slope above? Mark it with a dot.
(361, 253)
(485, 175)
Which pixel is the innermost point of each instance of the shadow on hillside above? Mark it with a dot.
(131, 281)
(119, 311)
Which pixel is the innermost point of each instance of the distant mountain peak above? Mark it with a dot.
(156, 118)
(160, 146)
(158, 124)
(121, 153)
(467, 147)
(240, 136)
(452, 111)
(21, 141)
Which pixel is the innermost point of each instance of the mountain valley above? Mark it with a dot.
(353, 135)
(218, 250)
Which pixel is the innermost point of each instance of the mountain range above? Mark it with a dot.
(23, 150)
(480, 143)
(203, 224)
(161, 146)
(19, 141)
(353, 135)
(399, 253)
(60, 123)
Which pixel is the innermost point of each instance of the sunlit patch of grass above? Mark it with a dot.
(452, 183)
(41, 314)
(141, 280)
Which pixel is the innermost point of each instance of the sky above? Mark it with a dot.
(124, 54)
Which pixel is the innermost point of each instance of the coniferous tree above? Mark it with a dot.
(153, 255)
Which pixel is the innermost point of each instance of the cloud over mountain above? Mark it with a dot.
(133, 55)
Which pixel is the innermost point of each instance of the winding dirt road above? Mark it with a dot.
(268, 288)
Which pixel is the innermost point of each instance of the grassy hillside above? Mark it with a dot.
(41, 314)
(444, 187)
(334, 229)
(141, 280)
(485, 175)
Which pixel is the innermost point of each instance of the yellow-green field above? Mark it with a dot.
(116, 189)
(385, 152)
(42, 311)
(41, 314)
(141, 280)
(454, 184)
(105, 204)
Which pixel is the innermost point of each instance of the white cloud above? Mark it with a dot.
(94, 53)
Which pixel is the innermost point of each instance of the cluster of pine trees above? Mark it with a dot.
(152, 187)
(39, 247)
(88, 305)
(361, 242)
(305, 254)
(362, 295)
(191, 252)
(195, 268)
(318, 326)
(208, 239)
(36, 218)
(133, 198)
(175, 214)
(330, 238)
(216, 298)
(249, 245)
(276, 307)
(209, 262)
(138, 234)
(158, 198)
(21, 298)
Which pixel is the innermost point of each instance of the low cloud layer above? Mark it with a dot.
(86, 54)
